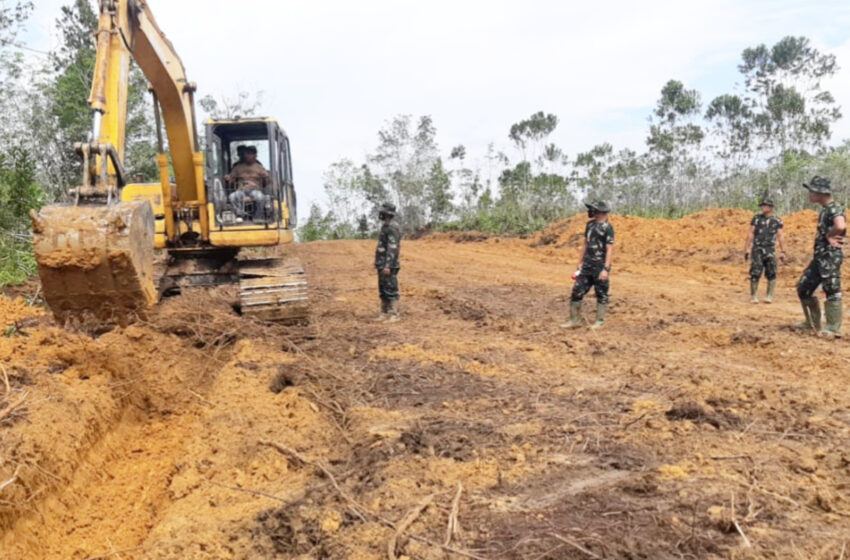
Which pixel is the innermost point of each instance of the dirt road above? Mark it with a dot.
(696, 425)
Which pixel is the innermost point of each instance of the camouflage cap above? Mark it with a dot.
(388, 209)
(766, 202)
(820, 185)
(599, 206)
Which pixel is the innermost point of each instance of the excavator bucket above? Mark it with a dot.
(96, 262)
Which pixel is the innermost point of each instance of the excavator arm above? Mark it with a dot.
(95, 257)
(127, 29)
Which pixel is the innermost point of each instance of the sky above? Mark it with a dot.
(334, 71)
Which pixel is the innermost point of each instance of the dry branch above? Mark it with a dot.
(113, 553)
(405, 523)
(576, 546)
(735, 521)
(6, 412)
(360, 510)
(12, 480)
(779, 497)
(6, 381)
(249, 491)
(453, 528)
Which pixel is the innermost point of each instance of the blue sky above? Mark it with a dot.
(334, 71)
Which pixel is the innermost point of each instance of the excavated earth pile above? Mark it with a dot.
(695, 425)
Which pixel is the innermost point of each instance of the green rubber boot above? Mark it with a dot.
(575, 316)
(771, 286)
(811, 309)
(393, 312)
(601, 309)
(385, 306)
(754, 291)
(834, 314)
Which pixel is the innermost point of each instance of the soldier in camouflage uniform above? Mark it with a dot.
(594, 266)
(765, 231)
(825, 268)
(387, 263)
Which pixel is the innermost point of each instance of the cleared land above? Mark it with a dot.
(696, 425)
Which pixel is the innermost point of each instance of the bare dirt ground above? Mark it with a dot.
(695, 425)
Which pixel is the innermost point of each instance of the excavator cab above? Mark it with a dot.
(236, 211)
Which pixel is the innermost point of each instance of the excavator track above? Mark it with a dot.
(273, 289)
(96, 262)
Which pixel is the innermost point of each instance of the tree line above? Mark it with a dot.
(764, 138)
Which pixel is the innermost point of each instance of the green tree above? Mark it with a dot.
(439, 193)
(13, 87)
(141, 147)
(731, 118)
(790, 108)
(590, 168)
(464, 180)
(243, 104)
(526, 135)
(18, 189)
(68, 87)
(13, 16)
(363, 229)
(403, 162)
(18, 194)
(674, 141)
(317, 227)
(345, 190)
(61, 116)
(528, 132)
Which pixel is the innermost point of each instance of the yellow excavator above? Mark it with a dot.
(96, 255)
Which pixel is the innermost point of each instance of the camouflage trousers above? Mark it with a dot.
(589, 278)
(388, 285)
(824, 270)
(763, 262)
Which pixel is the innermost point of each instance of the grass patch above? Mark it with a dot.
(17, 262)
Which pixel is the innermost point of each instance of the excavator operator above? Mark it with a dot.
(250, 179)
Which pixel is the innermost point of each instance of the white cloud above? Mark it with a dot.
(333, 71)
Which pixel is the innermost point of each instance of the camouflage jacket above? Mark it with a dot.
(249, 177)
(766, 230)
(389, 247)
(598, 236)
(826, 220)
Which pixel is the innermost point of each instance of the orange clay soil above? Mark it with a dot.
(695, 425)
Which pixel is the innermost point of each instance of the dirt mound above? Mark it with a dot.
(13, 311)
(716, 235)
(461, 236)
